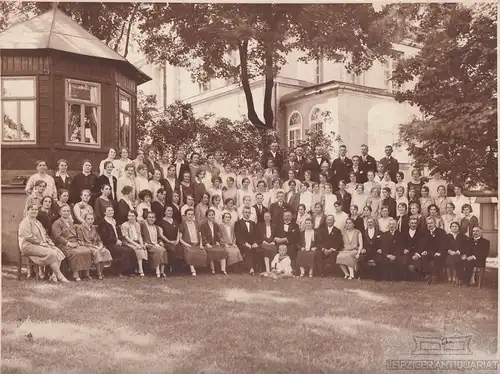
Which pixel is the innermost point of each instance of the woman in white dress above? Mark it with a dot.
(353, 243)
(329, 200)
(111, 157)
(154, 184)
(340, 216)
(459, 200)
(449, 217)
(34, 243)
(302, 216)
(359, 197)
(122, 162)
(141, 179)
(132, 238)
(50, 189)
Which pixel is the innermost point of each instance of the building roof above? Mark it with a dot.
(332, 85)
(55, 30)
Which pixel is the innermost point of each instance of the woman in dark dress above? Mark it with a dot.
(186, 187)
(62, 199)
(177, 216)
(359, 223)
(124, 258)
(416, 183)
(265, 239)
(102, 203)
(171, 239)
(45, 215)
(62, 178)
(83, 181)
(211, 241)
(124, 206)
(458, 245)
(194, 254)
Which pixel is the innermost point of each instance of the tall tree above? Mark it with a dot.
(200, 37)
(456, 90)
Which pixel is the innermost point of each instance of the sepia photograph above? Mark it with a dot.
(249, 188)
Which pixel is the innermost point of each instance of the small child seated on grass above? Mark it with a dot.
(281, 266)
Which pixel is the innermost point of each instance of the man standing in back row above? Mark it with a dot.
(390, 163)
(341, 167)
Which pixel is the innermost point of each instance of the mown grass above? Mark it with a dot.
(235, 324)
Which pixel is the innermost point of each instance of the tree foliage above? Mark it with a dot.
(456, 91)
(179, 127)
(201, 37)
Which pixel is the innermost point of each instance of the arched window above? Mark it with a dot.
(316, 120)
(294, 129)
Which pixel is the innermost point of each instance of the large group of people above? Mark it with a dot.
(294, 216)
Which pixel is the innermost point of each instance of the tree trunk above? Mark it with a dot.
(269, 86)
(245, 83)
(130, 23)
(119, 40)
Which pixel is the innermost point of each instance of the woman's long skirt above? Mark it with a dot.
(101, 255)
(305, 259)
(216, 253)
(267, 250)
(43, 255)
(347, 257)
(195, 255)
(79, 258)
(452, 261)
(157, 256)
(124, 258)
(141, 254)
(175, 251)
(233, 255)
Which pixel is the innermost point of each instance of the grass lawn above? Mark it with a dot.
(236, 324)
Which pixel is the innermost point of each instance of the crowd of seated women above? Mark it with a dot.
(300, 217)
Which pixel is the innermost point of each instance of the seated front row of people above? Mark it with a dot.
(396, 254)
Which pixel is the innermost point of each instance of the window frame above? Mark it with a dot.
(18, 100)
(323, 121)
(295, 129)
(69, 100)
(129, 114)
(389, 66)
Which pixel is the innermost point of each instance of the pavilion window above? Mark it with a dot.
(18, 110)
(125, 140)
(316, 120)
(83, 113)
(294, 129)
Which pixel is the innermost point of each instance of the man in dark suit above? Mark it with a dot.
(390, 163)
(315, 163)
(476, 259)
(389, 202)
(403, 219)
(371, 244)
(301, 160)
(275, 155)
(341, 166)
(330, 243)
(246, 240)
(288, 232)
(358, 171)
(344, 198)
(106, 178)
(181, 165)
(433, 251)
(151, 163)
(290, 165)
(391, 246)
(260, 209)
(278, 208)
(412, 238)
(292, 198)
(366, 161)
